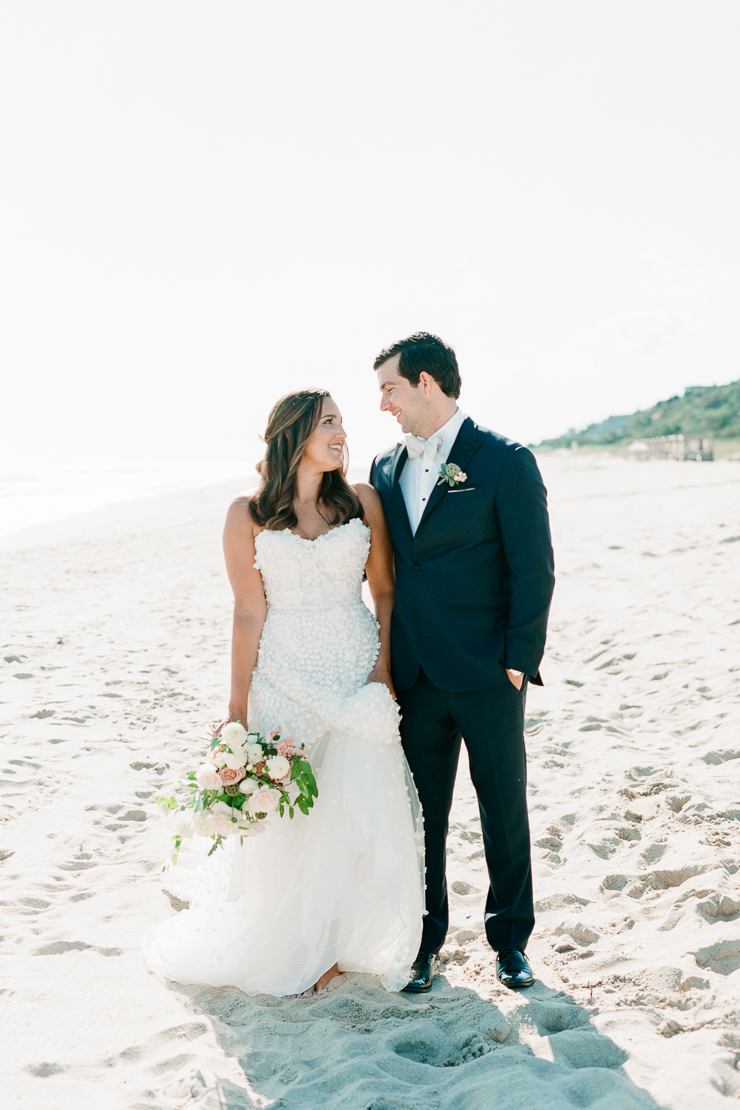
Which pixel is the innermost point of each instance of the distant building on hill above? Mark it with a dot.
(679, 447)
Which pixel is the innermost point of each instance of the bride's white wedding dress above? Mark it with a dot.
(346, 882)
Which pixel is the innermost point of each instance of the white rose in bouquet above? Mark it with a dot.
(233, 762)
(235, 735)
(255, 753)
(199, 824)
(184, 823)
(278, 767)
(264, 800)
(207, 778)
(221, 807)
(248, 786)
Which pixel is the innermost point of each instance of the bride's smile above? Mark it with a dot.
(325, 447)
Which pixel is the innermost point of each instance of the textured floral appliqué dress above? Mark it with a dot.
(346, 883)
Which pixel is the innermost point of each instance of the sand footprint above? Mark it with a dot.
(60, 947)
(433, 1047)
(177, 1034)
(722, 957)
(586, 1048)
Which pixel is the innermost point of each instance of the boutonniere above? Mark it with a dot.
(452, 474)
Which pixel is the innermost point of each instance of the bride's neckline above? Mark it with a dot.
(321, 535)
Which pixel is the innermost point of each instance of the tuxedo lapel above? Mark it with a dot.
(467, 443)
(398, 504)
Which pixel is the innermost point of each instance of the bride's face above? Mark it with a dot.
(325, 447)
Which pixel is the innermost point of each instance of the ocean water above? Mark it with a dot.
(35, 496)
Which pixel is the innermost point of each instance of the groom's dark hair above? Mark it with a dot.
(423, 351)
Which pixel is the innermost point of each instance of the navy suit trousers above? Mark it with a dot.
(491, 723)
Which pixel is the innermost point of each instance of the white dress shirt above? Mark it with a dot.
(420, 475)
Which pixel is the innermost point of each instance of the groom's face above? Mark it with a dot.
(408, 403)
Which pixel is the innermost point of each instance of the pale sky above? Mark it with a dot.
(207, 204)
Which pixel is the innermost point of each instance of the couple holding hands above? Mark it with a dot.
(452, 534)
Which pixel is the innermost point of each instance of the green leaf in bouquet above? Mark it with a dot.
(307, 785)
(302, 803)
(177, 844)
(308, 773)
(168, 803)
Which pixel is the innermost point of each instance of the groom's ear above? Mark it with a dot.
(426, 383)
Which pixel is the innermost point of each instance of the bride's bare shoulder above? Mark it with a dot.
(244, 500)
(239, 515)
(368, 495)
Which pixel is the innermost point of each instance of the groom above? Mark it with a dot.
(467, 514)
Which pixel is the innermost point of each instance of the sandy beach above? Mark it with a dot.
(114, 636)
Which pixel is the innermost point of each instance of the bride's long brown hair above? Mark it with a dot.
(289, 427)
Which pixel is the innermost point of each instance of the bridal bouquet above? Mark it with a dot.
(244, 777)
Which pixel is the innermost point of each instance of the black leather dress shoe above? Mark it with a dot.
(512, 969)
(423, 970)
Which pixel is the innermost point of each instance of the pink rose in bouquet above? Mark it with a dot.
(264, 800)
(230, 777)
(220, 819)
(207, 777)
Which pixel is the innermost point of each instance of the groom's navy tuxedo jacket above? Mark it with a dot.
(473, 586)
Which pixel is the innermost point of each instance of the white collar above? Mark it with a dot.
(450, 430)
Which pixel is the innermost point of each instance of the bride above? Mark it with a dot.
(341, 888)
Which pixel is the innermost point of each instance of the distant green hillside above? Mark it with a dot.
(708, 410)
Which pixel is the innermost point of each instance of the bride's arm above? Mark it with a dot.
(380, 579)
(250, 607)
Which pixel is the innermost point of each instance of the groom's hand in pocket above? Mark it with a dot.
(516, 678)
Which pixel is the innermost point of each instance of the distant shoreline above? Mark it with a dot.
(100, 517)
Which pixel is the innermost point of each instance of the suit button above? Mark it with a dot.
(416, 566)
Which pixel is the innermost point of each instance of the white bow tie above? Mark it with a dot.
(431, 448)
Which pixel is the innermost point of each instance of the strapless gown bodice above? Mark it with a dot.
(319, 641)
(325, 573)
